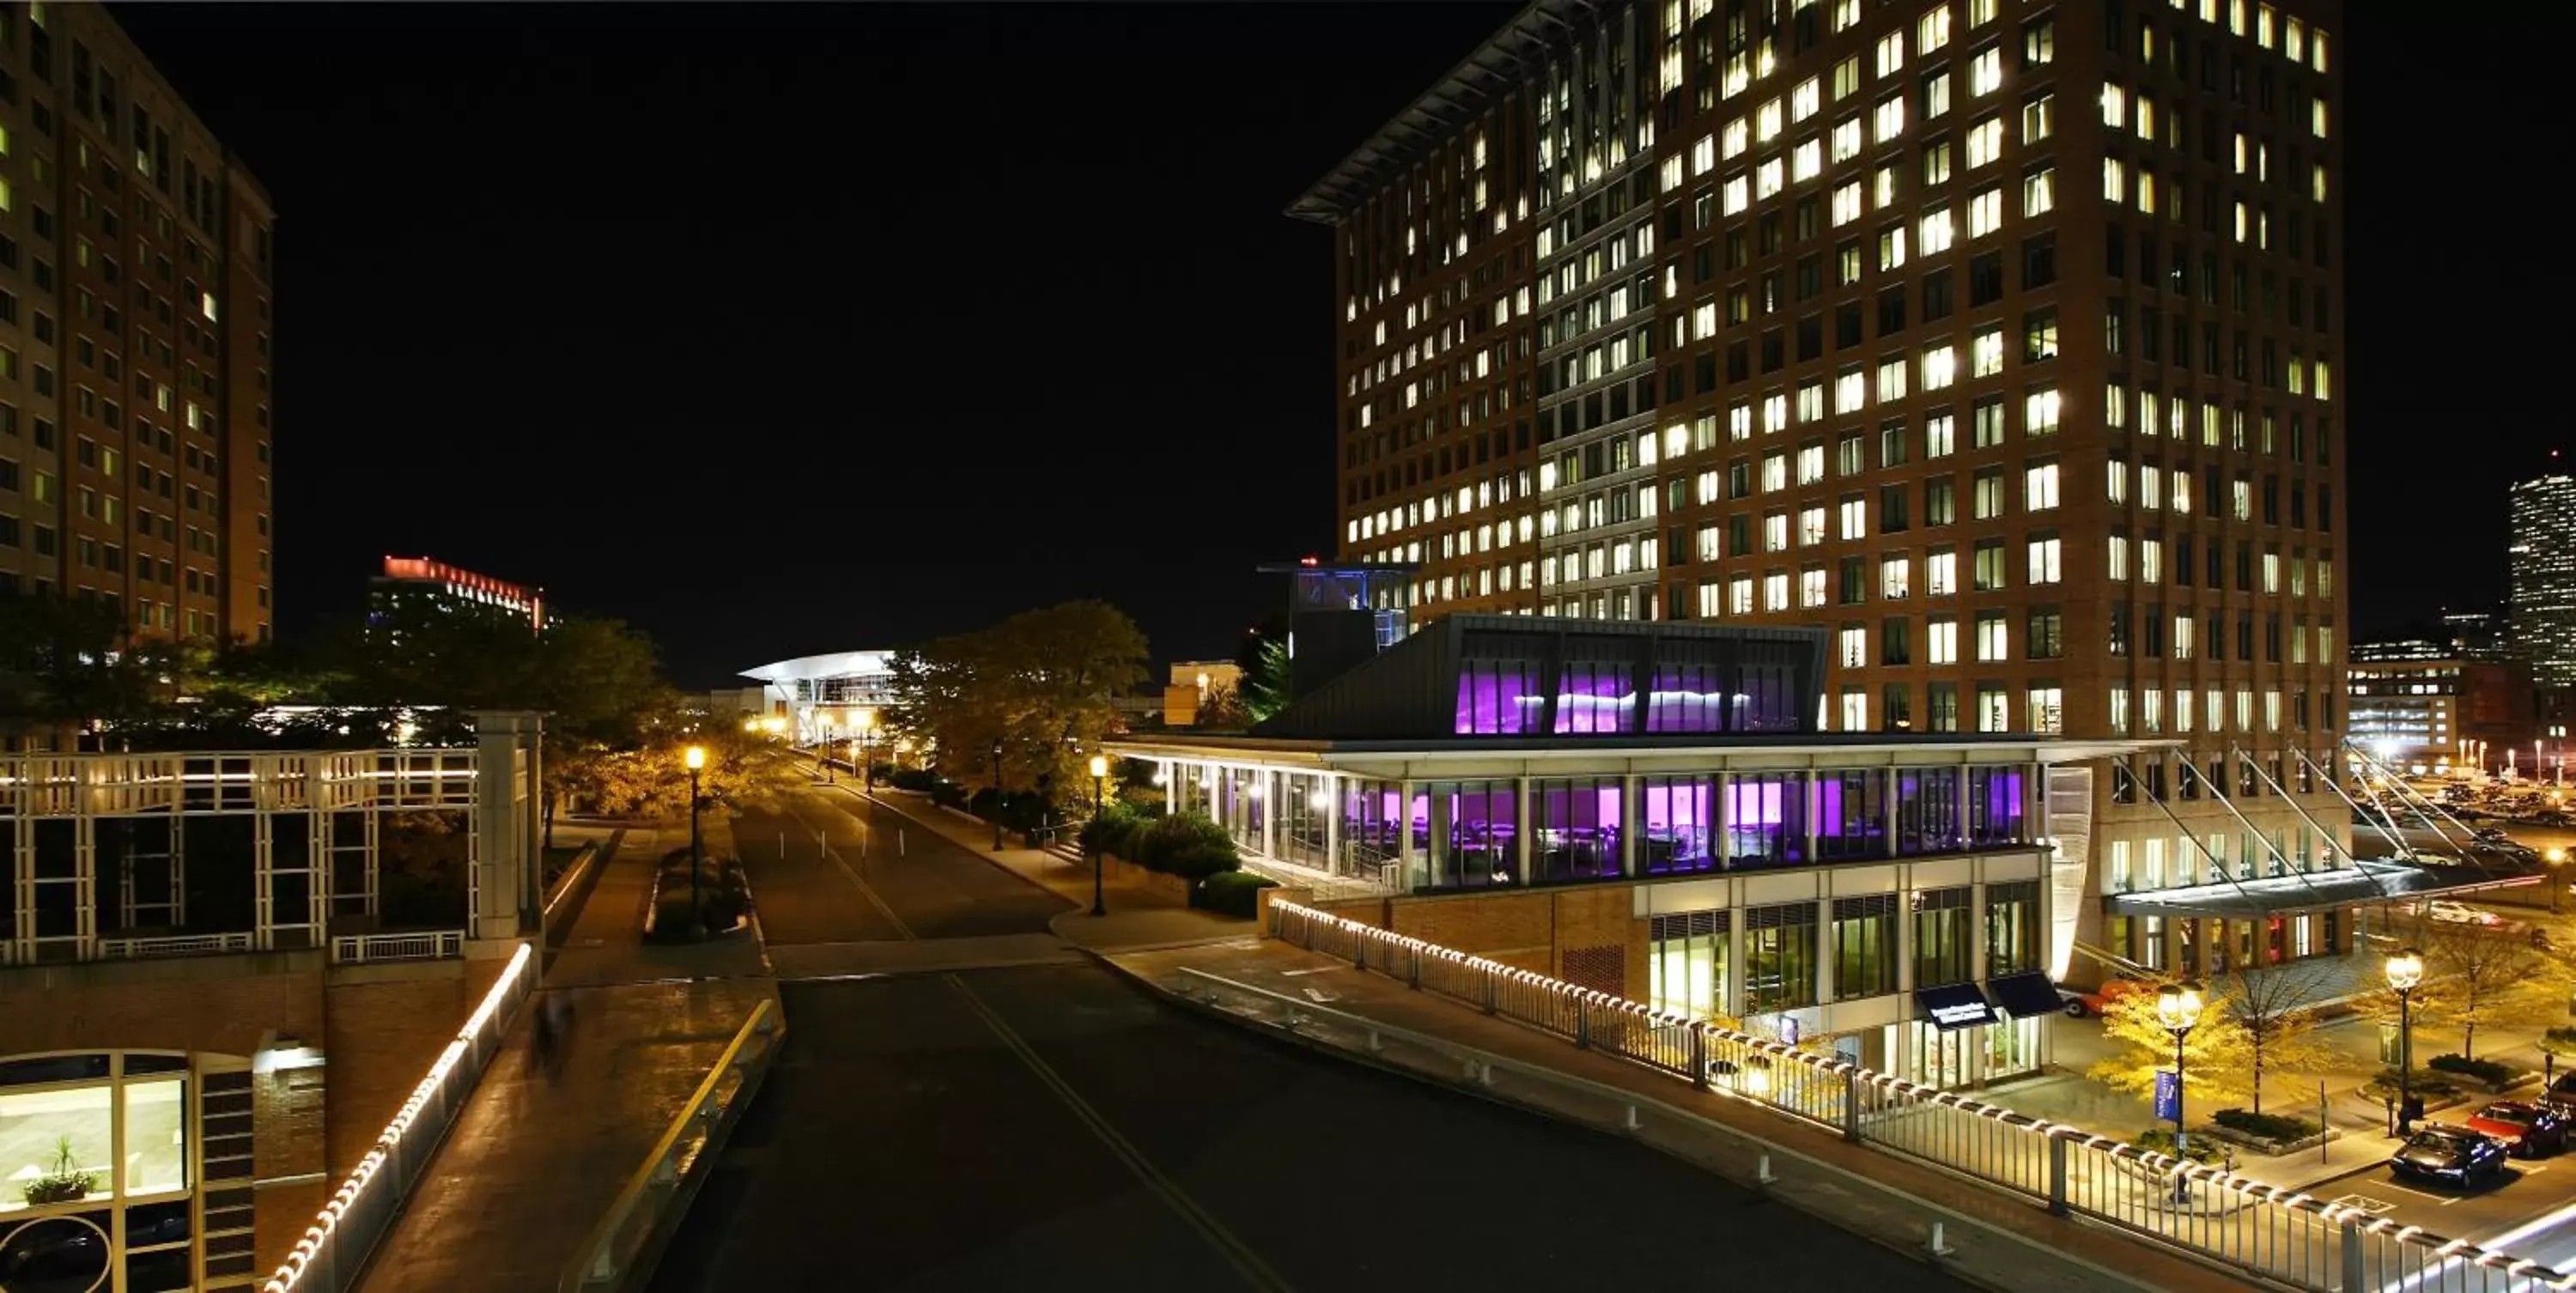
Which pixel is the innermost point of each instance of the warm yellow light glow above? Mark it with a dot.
(2405, 969)
(695, 756)
(2555, 856)
(1757, 1079)
(774, 723)
(831, 718)
(1099, 765)
(867, 720)
(2178, 1007)
(751, 725)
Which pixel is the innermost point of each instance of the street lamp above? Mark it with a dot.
(832, 718)
(1099, 774)
(997, 794)
(696, 758)
(2405, 970)
(867, 733)
(2178, 1009)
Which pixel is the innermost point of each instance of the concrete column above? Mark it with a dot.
(1404, 850)
(1732, 1000)
(1824, 950)
(507, 771)
(1808, 796)
(1962, 800)
(1271, 787)
(1439, 850)
(1522, 830)
(1895, 780)
(1721, 820)
(1630, 822)
(1332, 784)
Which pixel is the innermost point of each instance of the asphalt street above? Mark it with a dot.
(1059, 1126)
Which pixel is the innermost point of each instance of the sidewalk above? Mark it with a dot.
(1137, 919)
(1999, 1241)
(532, 1162)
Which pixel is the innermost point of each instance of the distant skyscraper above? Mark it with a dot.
(2543, 558)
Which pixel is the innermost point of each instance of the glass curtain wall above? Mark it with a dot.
(1691, 692)
(1371, 820)
(1851, 815)
(1679, 818)
(1942, 949)
(1998, 801)
(1499, 697)
(1575, 824)
(1766, 819)
(2012, 927)
(1927, 811)
(1304, 800)
(1864, 946)
(1479, 847)
(1596, 697)
(1686, 964)
(1779, 957)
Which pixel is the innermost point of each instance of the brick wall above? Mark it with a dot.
(388, 1024)
(1517, 929)
(1595, 925)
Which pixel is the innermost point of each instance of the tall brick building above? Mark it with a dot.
(1999, 338)
(135, 259)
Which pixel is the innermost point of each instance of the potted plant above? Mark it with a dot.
(65, 1184)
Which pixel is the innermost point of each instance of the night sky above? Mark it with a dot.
(780, 329)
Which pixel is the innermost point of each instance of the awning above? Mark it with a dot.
(2025, 996)
(2364, 881)
(1954, 1006)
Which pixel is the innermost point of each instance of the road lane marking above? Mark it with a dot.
(1247, 1263)
(865, 890)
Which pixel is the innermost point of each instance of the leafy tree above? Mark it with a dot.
(1042, 684)
(1264, 660)
(74, 663)
(744, 770)
(1222, 709)
(2217, 1058)
(2272, 1008)
(2476, 978)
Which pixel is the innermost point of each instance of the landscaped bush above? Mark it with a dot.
(1018, 810)
(922, 779)
(2487, 1071)
(2427, 1084)
(881, 770)
(1231, 893)
(1188, 845)
(1112, 830)
(2199, 1149)
(2266, 1126)
(947, 794)
(724, 895)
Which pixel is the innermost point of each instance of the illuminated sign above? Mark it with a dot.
(1954, 1006)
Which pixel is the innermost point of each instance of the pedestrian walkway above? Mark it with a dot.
(2031, 1249)
(535, 1160)
(1138, 917)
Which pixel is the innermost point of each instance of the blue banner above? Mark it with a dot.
(2168, 1095)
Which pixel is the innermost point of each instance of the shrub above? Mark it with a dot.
(1112, 830)
(1231, 893)
(1187, 845)
(2199, 1149)
(2427, 1084)
(2273, 1127)
(946, 793)
(2487, 1071)
(881, 770)
(922, 779)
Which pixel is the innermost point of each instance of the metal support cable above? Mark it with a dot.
(2324, 832)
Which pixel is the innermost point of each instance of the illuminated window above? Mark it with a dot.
(2038, 118)
(1891, 247)
(2115, 107)
(1941, 640)
(1936, 162)
(2039, 191)
(1986, 71)
(2118, 551)
(1895, 576)
(2039, 486)
(1766, 121)
(1986, 351)
(1767, 178)
(1940, 368)
(1985, 142)
(1891, 54)
(1811, 586)
(1805, 100)
(2115, 180)
(1941, 573)
(1847, 203)
(1807, 160)
(1847, 139)
(1940, 438)
(1891, 379)
(1985, 211)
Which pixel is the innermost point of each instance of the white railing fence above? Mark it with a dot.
(334, 1249)
(136, 949)
(423, 945)
(625, 1242)
(2210, 1212)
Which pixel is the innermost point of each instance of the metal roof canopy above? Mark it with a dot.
(1457, 96)
(2363, 882)
(836, 664)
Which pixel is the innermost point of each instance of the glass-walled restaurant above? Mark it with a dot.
(1888, 893)
(1440, 835)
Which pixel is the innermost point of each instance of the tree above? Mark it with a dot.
(2272, 1008)
(2217, 1059)
(1222, 709)
(2480, 978)
(744, 770)
(1042, 684)
(73, 663)
(1265, 664)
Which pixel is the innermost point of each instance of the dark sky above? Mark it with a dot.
(778, 329)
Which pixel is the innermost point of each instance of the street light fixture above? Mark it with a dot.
(997, 794)
(831, 719)
(1099, 774)
(866, 734)
(2404, 971)
(2178, 1007)
(696, 758)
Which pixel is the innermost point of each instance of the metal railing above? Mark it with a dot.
(137, 949)
(2208, 1211)
(629, 1233)
(334, 1249)
(427, 945)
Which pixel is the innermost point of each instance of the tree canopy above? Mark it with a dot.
(1041, 686)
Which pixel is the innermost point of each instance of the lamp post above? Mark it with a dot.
(832, 720)
(2405, 970)
(867, 736)
(997, 794)
(2178, 1009)
(696, 758)
(1099, 774)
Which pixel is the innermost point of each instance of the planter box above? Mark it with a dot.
(2269, 1148)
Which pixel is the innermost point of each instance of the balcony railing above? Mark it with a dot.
(139, 949)
(427, 945)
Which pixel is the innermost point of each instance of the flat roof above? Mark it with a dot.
(2364, 881)
(1563, 746)
(1494, 69)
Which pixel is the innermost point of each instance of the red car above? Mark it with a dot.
(2081, 1002)
(2528, 1130)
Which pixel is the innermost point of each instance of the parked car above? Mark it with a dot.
(2460, 913)
(2449, 1155)
(2084, 1002)
(2561, 1095)
(2527, 1130)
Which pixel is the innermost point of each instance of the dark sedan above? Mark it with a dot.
(2449, 1155)
(2528, 1130)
